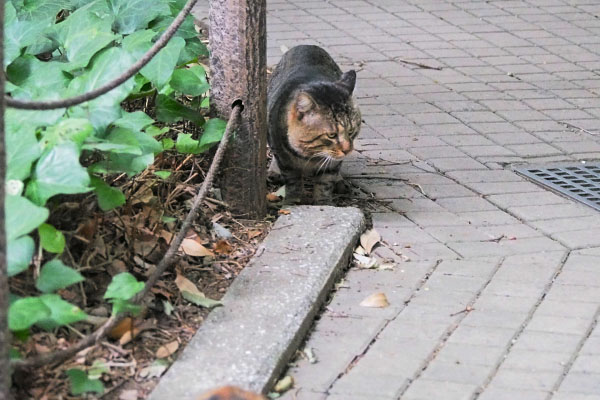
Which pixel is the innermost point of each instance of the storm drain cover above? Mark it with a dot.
(580, 182)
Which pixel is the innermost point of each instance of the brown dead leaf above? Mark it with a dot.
(193, 248)
(168, 236)
(376, 300)
(122, 327)
(137, 329)
(185, 285)
(116, 267)
(272, 197)
(166, 350)
(369, 239)
(284, 211)
(253, 234)
(223, 247)
(87, 230)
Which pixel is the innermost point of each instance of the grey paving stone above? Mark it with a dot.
(550, 211)
(490, 188)
(529, 360)
(457, 164)
(579, 239)
(567, 224)
(423, 389)
(503, 393)
(487, 218)
(546, 341)
(481, 176)
(453, 372)
(508, 247)
(581, 382)
(518, 199)
(523, 379)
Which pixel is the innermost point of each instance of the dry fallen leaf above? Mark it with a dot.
(365, 261)
(223, 247)
(253, 234)
(377, 300)
(272, 197)
(284, 211)
(166, 350)
(126, 325)
(284, 384)
(193, 248)
(190, 292)
(369, 239)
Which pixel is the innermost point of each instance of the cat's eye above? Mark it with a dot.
(332, 135)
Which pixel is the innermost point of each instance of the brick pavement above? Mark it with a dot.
(453, 93)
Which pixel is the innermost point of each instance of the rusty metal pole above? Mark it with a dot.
(238, 51)
(4, 333)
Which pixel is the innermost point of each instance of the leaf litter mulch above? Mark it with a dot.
(134, 238)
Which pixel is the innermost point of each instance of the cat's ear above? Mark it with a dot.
(304, 103)
(348, 80)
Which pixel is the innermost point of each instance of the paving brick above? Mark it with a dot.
(503, 393)
(453, 372)
(517, 199)
(430, 389)
(550, 211)
(530, 380)
(457, 164)
(579, 239)
(581, 382)
(490, 188)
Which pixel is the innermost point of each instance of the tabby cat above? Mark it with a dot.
(312, 120)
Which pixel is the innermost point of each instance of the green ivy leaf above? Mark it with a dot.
(106, 65)
(37, 79)
(138, 42)
(122, 306)
(22, 216)
(108, 196)
(80, 383)
(42, 9)
(213, 133)
(135, 121)
(190, 81)
(170, 110)
(167, 143)
(18, 254)
(56, 275)
(51, 239)
(22, 150)
(186, 145)
(18, 33)
(200, 300)
(123, 287)
(74, 130)
(155, 130)
(58, 172)
(98, 368)
(61, 312)
(131, 164)
(162, 174)
(25, 312)
(160, 69)
(131, 15)
(85, 32)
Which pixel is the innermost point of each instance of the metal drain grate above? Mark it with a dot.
(580, 182)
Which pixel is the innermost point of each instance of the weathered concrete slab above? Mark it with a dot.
(269, 307)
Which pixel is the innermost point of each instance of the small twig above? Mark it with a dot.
(569, 125)
(165, 262)
(417, 64)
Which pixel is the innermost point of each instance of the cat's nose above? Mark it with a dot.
(347, 147)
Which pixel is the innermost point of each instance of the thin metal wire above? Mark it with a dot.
(134, 69)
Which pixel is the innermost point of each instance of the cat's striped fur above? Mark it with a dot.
(313, 120)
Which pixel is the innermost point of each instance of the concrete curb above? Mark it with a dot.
(269, 307)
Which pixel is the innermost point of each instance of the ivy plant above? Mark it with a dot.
(62, 48)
